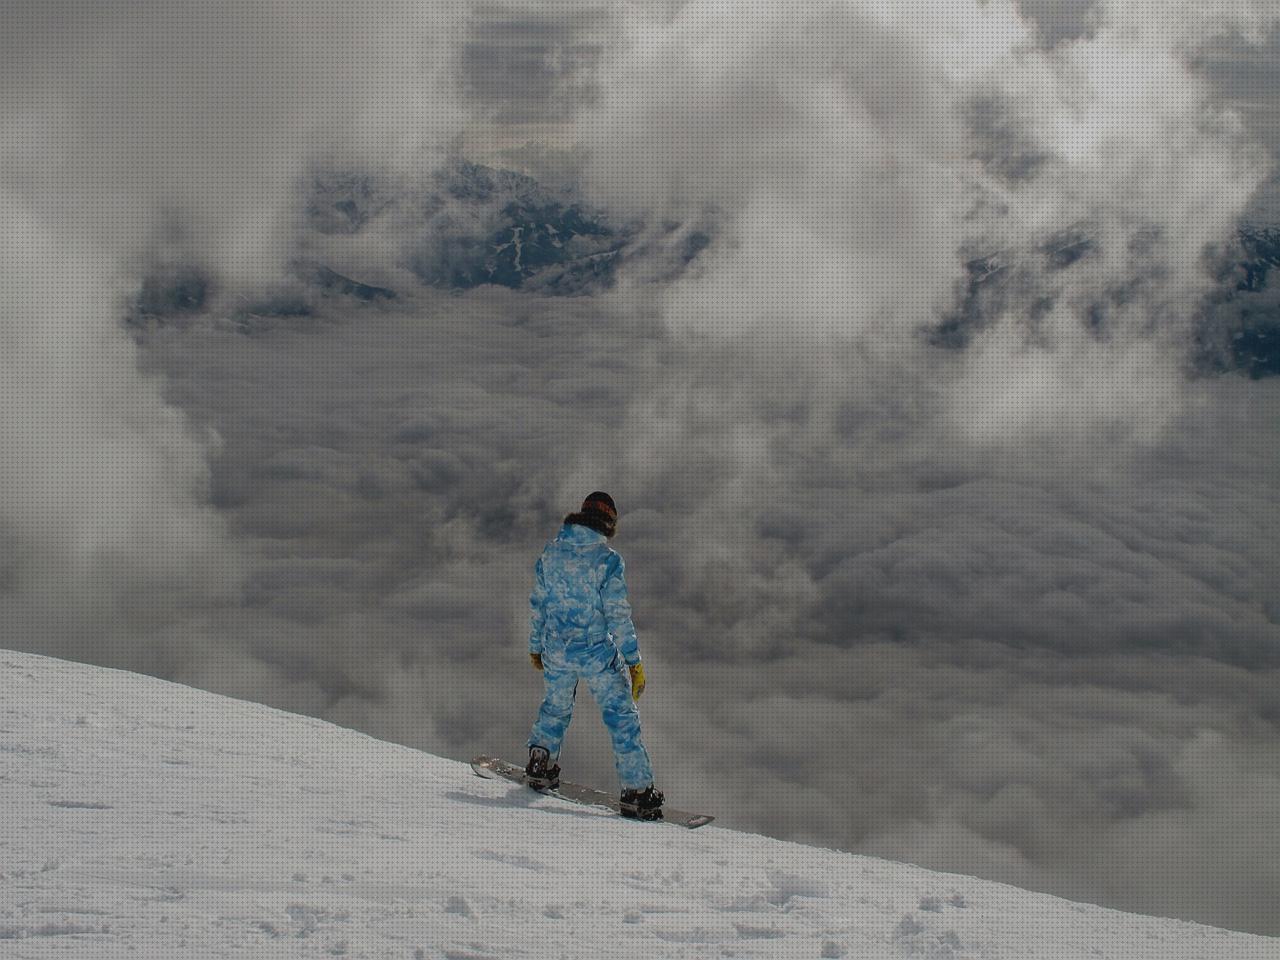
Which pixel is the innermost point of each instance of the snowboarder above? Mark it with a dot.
(581, 629)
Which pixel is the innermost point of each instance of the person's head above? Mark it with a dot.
(598, 512)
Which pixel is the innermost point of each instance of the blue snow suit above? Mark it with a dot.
(580, 623)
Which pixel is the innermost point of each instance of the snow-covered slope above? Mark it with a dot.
(146, 819)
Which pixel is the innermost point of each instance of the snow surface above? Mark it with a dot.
(143, 818)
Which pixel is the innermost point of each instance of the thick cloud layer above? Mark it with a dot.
(105, 527)
(144, 134)
(861, 155)
(1001, 601)
(855, 639)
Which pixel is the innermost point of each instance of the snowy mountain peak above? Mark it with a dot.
(150, 819)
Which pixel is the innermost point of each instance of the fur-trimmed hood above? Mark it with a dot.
(592, 521)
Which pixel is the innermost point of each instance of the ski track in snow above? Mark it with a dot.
(143, 818)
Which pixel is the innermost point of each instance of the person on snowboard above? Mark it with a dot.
(581, 629)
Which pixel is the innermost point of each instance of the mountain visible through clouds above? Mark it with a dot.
(470, 225)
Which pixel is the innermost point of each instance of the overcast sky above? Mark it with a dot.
(1009, 610)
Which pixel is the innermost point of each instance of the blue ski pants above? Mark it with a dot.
(601, 666)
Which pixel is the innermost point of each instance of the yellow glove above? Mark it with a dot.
(637, 680)
(536, 660)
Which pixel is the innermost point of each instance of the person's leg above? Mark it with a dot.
(610, 684)
(561, 685)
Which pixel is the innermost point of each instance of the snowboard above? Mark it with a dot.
(494, 768)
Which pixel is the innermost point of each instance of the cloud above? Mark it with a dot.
(160, 133)
(1059, 20)
(105, 521)
(207, 113)
(522, 64)
(866, 153)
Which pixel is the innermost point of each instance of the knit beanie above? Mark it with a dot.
(600, 502)
(598, 512)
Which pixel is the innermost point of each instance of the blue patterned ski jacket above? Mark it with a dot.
(579, 592)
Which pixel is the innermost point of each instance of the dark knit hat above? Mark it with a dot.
(598, 512)
(601, 502)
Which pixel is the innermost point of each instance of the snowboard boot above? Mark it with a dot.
(643, 804)
(541, 774)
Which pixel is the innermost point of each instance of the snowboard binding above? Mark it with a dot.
(643, 804)
(540, 773)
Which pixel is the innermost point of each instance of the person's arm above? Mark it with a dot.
(537, 615)
(617, 610)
